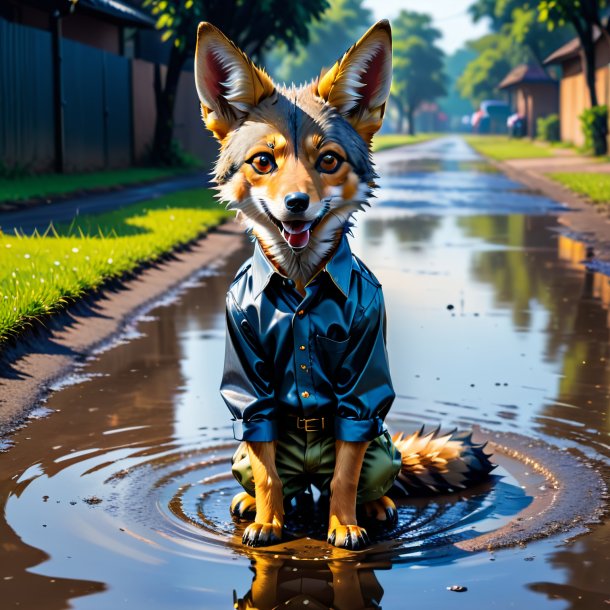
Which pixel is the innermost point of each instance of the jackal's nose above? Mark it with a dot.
(296, 202)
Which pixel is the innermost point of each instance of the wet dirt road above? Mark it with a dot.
(116, 494)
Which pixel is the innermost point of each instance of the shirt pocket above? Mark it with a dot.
(331, 353)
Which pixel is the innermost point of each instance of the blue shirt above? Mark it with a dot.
(319, 355)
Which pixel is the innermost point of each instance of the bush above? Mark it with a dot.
(548, 128)
(594, 122)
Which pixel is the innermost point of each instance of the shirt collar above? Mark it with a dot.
(339, 268)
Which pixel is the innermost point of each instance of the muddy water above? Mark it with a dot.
(116, 494)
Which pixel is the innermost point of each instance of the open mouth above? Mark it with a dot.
(296, 233)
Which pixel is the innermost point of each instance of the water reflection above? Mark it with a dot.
(344, 585)
(524, 274)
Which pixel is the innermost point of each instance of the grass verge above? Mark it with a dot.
(41, 274)
(595, 187)
(49, 185)
(392, 140)
(502, 148)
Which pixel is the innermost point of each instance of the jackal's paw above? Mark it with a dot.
(380, 512)
(243, 507)
(349, 537)
(262, 534)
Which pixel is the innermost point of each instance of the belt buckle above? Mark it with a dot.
(309, 424)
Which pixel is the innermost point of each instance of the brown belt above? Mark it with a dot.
(309, 424)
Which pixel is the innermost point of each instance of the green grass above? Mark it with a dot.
(595, 187)
(392, 140)
(48, 185)
(40, 274)
(502, 148)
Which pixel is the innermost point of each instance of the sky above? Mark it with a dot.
(450, 16)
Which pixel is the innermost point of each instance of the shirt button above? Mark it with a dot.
(304, 367)
(302, 348)
(305, 394)
(300, 312)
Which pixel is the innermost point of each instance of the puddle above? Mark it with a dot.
(119, 496)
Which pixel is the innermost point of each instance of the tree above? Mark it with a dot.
(583, 16)
(518, 20)
(518, 37)
(496, 55)
(339, 27)
(454, 104)
(418, 64)
(253, 26)
(498, 11)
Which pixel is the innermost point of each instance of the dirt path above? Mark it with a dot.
(29, 368)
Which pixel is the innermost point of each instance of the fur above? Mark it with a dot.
(314, 141)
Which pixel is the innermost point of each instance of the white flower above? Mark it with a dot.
(56, 263)
(26, 256)
(110, 261)
(75, 250)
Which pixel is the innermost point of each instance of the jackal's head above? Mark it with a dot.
(295, 161)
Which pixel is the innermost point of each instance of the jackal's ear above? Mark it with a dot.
(358, 85)
(228, 83)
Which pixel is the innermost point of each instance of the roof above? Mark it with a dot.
(570, 49)
(525, 73)
(118, 11)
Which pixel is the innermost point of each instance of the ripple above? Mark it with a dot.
(167, 497)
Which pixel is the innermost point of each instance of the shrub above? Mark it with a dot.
(548, 128)
(594, 122)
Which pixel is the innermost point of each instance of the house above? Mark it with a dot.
(573, 91)
(77, 93)
(532, 94)
(430, 118)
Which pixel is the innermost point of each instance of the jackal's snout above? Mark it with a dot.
(296, 203)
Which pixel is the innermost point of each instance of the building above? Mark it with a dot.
(77, 87)
(532, 94)
(573, 91)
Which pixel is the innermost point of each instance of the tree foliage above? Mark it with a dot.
(337, 29)
(253, 25)
(418, 63)
(518, 37)
(454, 104)
(496, 55)
(518, 21)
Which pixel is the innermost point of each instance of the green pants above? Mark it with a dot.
(304, 458)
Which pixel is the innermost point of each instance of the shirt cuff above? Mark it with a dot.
(260, 430)
(358, 430)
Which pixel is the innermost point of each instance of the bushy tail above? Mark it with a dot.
(434, 463)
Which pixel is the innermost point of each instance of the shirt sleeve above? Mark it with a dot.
(246, 385)
(363, 386)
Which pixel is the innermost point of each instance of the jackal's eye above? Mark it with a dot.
(329, 163)
(263, 163)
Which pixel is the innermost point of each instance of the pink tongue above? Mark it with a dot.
(297, 240)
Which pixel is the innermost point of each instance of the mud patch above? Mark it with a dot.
(572, 498)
